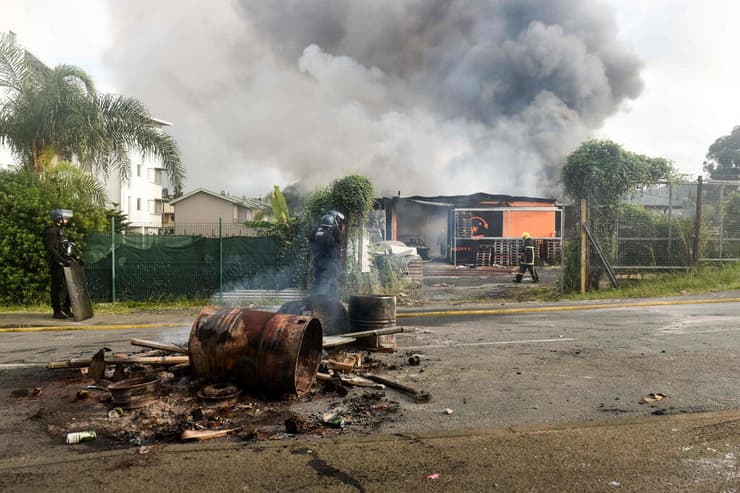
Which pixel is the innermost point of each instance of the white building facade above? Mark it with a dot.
(140, 196)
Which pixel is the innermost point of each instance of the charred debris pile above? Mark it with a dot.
(242, 373)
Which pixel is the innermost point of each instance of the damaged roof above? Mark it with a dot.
(478, 199)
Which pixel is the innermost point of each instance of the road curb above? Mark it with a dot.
(405, 313)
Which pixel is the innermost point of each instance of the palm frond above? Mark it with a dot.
(14, 72)
(130, 125)
(77, 184)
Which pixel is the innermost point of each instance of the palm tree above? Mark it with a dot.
(50, 114)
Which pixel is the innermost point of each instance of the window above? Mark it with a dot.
(138, 204)
(138, 170)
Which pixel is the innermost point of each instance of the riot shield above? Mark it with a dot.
(78, 295)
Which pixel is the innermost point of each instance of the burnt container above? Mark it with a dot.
(372, 312)
(278, 353)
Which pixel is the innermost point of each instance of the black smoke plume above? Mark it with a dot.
(425, 96)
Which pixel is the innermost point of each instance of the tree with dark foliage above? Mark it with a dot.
(723, 158)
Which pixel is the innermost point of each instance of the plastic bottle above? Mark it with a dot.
(81, 436)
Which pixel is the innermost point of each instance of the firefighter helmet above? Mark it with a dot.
(525, 236)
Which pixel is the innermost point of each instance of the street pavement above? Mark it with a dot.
(695, 453)
(681, 451)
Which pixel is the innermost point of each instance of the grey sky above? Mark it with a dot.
(689, 73)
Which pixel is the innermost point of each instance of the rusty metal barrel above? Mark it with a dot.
(371, 312)
(278, 353)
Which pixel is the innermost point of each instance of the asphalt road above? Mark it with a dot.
(583, 373)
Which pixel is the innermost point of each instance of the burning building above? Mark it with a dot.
(479, 229)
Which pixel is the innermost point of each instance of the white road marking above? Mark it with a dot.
(684, 332)
(528, 341)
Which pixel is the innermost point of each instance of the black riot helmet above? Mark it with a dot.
(333, 218)
(328, 221)
(61, 216)
(338, 215)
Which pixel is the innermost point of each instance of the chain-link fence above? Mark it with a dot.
(654, 227)
(665, 226)
(720, 221)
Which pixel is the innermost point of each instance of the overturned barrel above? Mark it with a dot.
(372, 312)
(252, 348)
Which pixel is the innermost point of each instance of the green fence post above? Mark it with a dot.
(220, 263)
(113, 256)
(697, 227)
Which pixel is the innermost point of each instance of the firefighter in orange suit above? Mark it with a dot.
(527, 259)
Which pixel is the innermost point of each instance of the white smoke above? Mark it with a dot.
(422, 96)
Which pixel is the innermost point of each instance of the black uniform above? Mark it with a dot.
(527, 263)
(326, 250)
(57, 256)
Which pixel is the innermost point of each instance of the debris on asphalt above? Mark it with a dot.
(219, 395)
(436, 475)
(333, 420)
(143, 360)
(414, 360)
(166, 347)
(80, 436)
(418, 395)
(653, 397)
(134, 392)
(115, 413)
(448, 411)
(96, 370)
(201, 435)
(168, 392)
(344, 362)
(296, 424)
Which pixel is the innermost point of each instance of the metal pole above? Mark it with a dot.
(584, 245)
(562, 249)
(721, 217)
(220, 262)
(113, 257)
(669, 257)
(697, 232)
(454, 238)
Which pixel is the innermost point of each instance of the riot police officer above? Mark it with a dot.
(58, 255)
(326, 250)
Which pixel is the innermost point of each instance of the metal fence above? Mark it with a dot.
(655, 228)
(666, 226)
(719, 213)
(141, 267)
(206, 230)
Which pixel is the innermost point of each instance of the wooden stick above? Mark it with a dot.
(145, 360)
(201, 435)
(419, 395)
(164, 346)
(375, 332)
(355, 380)
(350, 337)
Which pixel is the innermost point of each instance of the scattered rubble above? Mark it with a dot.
(159, 394)
(653, 397)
